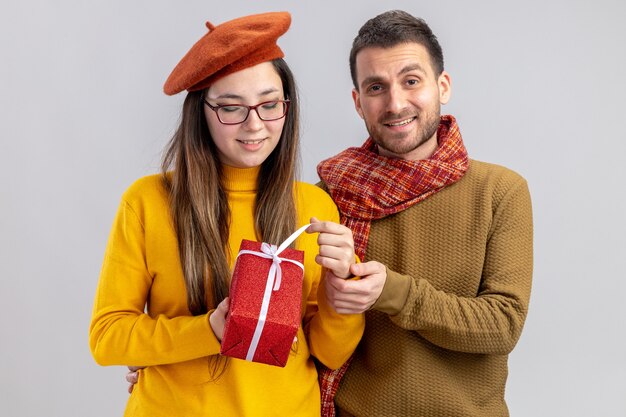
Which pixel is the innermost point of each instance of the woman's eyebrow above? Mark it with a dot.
(232, 96)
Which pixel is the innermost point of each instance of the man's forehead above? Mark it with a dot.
(398, 58)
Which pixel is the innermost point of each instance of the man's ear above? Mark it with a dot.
(445, 87)
(357, 102)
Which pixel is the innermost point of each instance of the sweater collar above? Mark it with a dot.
(240, 179)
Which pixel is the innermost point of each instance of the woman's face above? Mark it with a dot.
(247, 144)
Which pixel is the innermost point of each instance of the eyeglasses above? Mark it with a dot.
(234, 114)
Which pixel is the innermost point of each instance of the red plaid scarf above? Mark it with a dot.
(367, 186)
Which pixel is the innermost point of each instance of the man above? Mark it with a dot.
(446, 241)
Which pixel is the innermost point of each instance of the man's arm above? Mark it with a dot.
(490, 322)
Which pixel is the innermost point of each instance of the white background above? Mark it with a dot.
(538, 86)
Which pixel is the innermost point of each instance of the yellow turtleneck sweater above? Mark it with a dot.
(140, 314)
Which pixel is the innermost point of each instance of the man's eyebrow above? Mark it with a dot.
(412, 67)
(377, 79)
(371, 80)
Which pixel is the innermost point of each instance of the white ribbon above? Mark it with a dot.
(274, 279)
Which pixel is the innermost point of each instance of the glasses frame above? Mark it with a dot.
(219, 106)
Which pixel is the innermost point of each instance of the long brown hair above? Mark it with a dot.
(192, 173)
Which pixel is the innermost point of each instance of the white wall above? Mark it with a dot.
(538, 86)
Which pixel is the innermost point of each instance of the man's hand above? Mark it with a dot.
(356, 296)
(133, 376)
(336, 247)
(218, 318)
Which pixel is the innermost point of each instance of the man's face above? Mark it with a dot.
(399, 97)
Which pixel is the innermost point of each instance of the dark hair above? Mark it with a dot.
(392, 28)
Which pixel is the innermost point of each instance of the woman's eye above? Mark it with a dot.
(270, 105)
(231, 109)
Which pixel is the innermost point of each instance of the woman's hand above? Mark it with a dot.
(217, 321)
(218, 318)
(336, 247)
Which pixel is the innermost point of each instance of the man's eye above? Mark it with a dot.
(375, 88)
(412, 82)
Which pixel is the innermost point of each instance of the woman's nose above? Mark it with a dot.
(253, 122)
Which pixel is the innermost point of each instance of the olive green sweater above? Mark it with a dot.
(459, 268)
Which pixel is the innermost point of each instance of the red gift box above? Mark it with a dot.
(265, 302)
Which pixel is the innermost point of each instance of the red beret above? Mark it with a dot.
(227, 48)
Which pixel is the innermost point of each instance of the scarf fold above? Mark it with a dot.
(367, 186)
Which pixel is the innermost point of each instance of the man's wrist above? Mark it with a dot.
(394, 294)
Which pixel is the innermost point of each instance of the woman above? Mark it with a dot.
(228, 175)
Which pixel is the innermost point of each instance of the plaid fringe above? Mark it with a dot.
(329, 384)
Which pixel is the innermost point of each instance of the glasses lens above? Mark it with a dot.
(272, 110)
(232, 114)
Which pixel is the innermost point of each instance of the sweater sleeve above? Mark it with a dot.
(121, 333)
(491, 322)
(332, 337)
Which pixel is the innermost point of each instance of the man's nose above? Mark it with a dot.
(397, 99)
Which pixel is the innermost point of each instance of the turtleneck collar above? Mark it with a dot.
(240, 179)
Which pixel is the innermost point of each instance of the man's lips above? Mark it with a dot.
(398, 123)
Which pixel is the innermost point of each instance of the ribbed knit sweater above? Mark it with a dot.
(459, 268)
(142, 266)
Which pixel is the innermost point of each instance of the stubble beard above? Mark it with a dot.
(394, 143)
